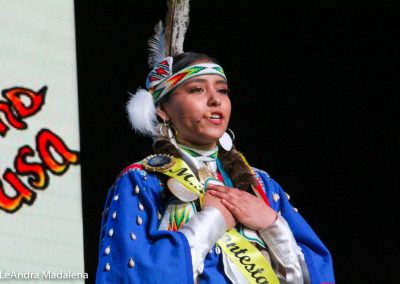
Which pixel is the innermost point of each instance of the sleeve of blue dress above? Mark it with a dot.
(317, 256)
(132, 249)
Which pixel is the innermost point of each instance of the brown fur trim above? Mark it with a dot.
(238, 171)
(164, 146)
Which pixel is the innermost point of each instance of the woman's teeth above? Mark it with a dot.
(209, 115)
(215, 116)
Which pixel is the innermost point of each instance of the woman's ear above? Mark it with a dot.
(162, 113)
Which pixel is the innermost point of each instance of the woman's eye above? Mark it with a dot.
(224, 91)
(196, 90)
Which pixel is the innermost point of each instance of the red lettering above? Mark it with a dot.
(39, 178)
(51, 149)
(46, 140)
(15, 109)
(54, 154)
(36, 98)
(11, 118)
(22, 193)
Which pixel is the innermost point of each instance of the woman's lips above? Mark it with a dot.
(215, 121)
(214, 117)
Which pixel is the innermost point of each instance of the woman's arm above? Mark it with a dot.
(205, 228)
(132, 250)
(286, 256)
(317, 257)
(202, 231)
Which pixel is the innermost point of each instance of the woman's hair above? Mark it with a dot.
(186, 59)
(232, 162)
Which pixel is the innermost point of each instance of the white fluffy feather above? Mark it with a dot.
(142, 113)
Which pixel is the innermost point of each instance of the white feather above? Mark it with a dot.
(142, 113)
(156, 45)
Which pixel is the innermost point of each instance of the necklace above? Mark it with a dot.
(206, 158)
(206, 172)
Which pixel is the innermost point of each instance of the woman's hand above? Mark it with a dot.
(215, 202)
(248, 209)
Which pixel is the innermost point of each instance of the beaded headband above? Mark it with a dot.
(161, 81)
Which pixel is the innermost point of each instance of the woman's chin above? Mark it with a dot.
(203, 139)
(208, 140)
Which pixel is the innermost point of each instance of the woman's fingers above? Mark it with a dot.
(246, 207)
(229, 200)
(218, 188)
(227, 195)
(232, 208)
(215, 202)
(235, 200)
(223, 191)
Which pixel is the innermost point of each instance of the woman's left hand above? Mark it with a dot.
(248, 209)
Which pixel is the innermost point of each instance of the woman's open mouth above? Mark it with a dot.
(216, 118)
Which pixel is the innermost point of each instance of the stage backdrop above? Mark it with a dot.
(41, 232)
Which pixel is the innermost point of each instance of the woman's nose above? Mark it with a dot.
(214, 99)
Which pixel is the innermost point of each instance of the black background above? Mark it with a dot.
(314, 88)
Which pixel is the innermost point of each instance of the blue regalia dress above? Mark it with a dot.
(136, 248)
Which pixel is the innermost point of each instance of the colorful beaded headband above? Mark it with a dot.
(161, 81)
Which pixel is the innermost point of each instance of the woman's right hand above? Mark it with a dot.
(215, 202)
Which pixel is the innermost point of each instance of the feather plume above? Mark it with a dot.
(142, 113)
(176, 25)
(156, 45)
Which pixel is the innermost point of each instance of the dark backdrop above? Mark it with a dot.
(313, 91)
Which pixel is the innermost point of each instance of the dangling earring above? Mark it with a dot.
(226, 141)
(168, 130)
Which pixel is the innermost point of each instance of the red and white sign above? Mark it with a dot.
(41, 230)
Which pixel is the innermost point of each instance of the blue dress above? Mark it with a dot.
(133, 250)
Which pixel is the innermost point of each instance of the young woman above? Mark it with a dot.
(225, 222)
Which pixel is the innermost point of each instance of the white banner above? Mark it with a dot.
(41, 234)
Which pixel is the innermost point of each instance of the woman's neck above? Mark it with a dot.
(210, 146)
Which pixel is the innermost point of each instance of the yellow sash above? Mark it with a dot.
(247, 258)
(240, 251)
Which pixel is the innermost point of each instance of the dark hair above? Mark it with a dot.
(232, 162)
(185, 59)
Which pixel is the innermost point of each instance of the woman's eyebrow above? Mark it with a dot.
(222, 81)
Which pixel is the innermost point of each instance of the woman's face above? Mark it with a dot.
(199, 109)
